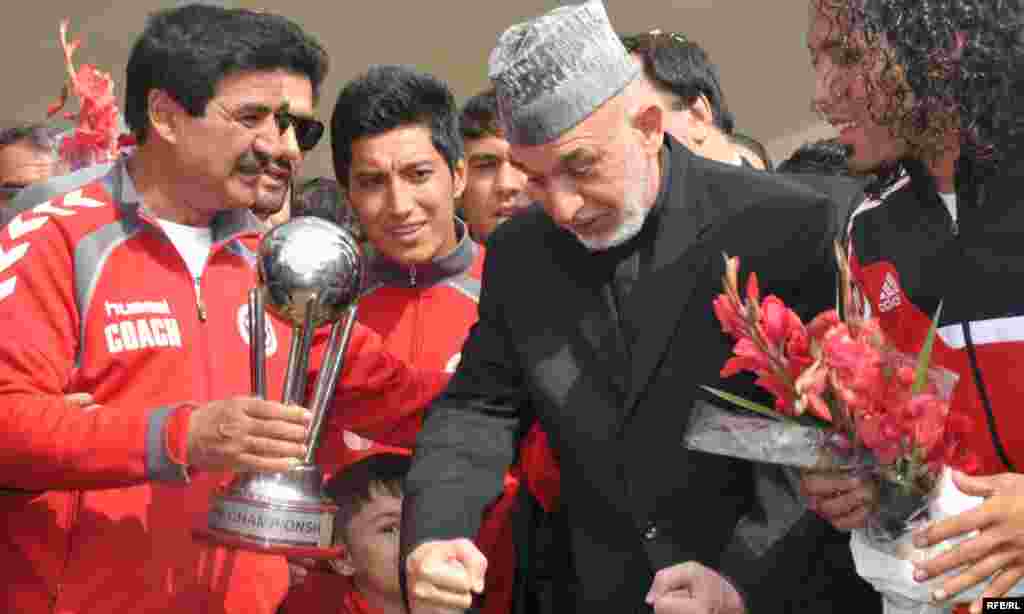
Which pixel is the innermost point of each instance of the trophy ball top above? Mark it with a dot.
(309, 257)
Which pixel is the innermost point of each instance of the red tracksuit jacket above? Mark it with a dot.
(97, 506)
(908, 255)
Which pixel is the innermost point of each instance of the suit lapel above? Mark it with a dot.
(664, 289)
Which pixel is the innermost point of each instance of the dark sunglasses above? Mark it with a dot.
(308, 131)
(648, 40)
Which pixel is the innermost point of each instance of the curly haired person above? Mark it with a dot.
(925, 94)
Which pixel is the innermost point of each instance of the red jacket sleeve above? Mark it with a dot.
(48, 443)
(378, 396)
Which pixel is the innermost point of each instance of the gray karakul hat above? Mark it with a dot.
(552, 72)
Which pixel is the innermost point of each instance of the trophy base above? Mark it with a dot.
(274, 513)
(240, 542)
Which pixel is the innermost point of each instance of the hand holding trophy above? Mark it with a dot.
(310, 274)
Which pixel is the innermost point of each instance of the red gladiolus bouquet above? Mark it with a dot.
(844, 399)
(96, 136)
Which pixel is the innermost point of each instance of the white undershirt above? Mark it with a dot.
(192, 242)
(949, 199)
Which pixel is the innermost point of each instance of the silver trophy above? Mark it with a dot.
(310, 274)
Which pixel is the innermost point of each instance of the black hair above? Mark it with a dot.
(822, 157)
(388, 97)
(188, 51)
(479, 116)
(40, 136)
(939, 67)
(357, 484)
(324, 198)
(681, 66)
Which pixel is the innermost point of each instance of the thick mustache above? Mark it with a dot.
(255, 163)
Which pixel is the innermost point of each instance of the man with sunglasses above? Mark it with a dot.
(132, 288)
(686, 82)
(271, 208)
(271, 204)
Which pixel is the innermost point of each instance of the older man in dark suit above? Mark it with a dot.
(595, 319)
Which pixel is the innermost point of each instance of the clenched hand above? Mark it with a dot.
(691, 588)
(443, 575)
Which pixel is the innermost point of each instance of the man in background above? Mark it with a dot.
(687, 84)
(323, 197)
(495, 188)
(28, 156)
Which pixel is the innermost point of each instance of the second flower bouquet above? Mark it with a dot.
(845, 399)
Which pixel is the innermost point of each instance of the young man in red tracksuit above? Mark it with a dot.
(404, 170)
(924, 93)
(133, 288)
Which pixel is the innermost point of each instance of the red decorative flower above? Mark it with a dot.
(725, 311)
(844, 373)
(811, 387)
(881, 435)
(95, 137)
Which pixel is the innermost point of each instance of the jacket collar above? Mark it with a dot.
(226, 225)
(385, 272)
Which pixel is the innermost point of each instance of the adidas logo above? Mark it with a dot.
(889, 298)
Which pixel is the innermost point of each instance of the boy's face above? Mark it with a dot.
(404, 194)
(372, 545)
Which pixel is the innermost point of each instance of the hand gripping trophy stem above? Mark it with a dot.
(310, 274)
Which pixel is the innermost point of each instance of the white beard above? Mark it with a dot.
(633, 213)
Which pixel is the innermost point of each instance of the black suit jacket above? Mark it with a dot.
(846, 192)
(546, 346)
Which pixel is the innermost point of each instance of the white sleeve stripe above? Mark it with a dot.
(983, 332)
(7, 287)
(19, 227)
(10, 258)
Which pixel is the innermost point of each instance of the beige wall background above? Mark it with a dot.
(758, 45)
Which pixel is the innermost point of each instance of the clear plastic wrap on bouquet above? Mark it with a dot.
(900, 510)
(912, 494)
(907, 487)
(763, 439)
